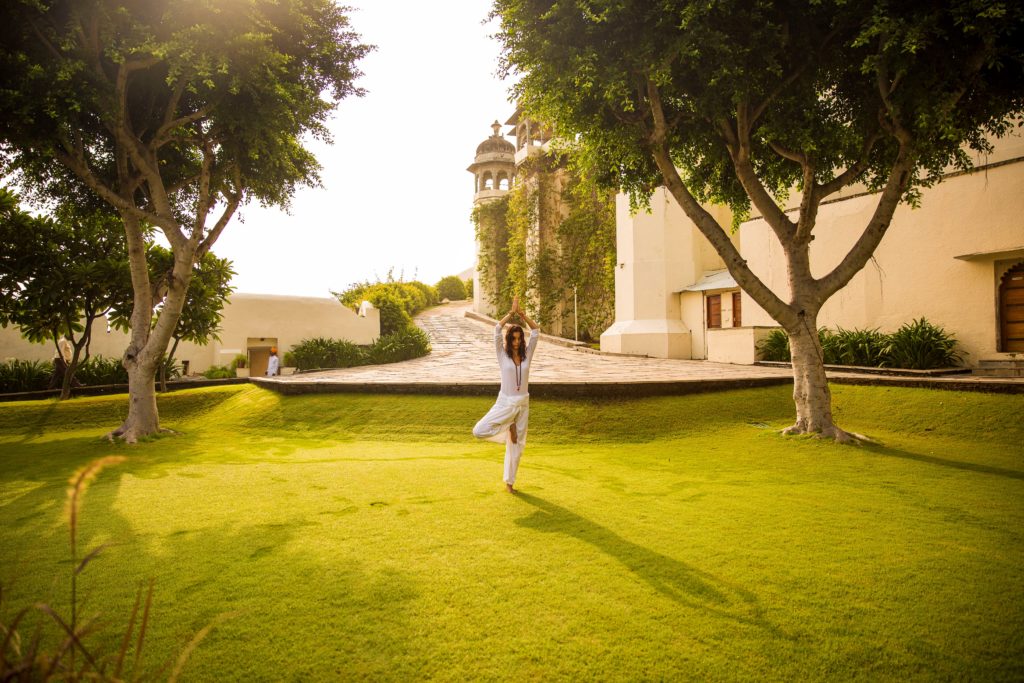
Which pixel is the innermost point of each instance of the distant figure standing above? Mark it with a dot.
(274, 364)
(508, 420)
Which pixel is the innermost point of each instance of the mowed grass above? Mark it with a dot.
(354, 536)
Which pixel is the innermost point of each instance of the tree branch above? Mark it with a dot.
(704, 221)
(739, 152)
(143, 159)
(163, 135)
(798, 157)
(899, 180)
(79, 167)
(892, 124)
(850, 175)
(234, 199)
(203, 201)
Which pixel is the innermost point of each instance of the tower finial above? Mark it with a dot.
(496, 127)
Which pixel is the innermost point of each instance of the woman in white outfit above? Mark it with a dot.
(507, 421)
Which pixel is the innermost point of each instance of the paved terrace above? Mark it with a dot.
(462, 362)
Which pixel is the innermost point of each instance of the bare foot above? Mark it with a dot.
(508, 487)
(515, 435)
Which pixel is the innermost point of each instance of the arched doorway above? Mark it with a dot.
(1011, 310)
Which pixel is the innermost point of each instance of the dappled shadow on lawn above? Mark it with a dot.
(887, 451)
(37, 422)
(676, 580)
(290, 606)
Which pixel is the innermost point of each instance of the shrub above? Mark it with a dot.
(431, 297)
(321, 353)
(393, 314)
(921, 345)
(411, 342)
(25, 375)
(239, 361)
(396, 301)
(917, 346)
(288, 360)
(469, 288)
(451, 288)
(219, 372)
(826, 338)
(173, 368)
(857, 347)
(774, 347)
(101, 370)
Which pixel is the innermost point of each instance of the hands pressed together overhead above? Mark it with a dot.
(517, 310)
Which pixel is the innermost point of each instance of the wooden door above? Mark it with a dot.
(1011, 310)
(737, 315)
(259, 356)
(715, 310)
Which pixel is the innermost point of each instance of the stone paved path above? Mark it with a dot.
(463, 354)
(462, 361)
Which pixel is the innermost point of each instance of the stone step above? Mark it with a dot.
(1002, 363)
(999, 372)
(1000, 367)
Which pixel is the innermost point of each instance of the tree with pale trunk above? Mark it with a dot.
(60, 274)
(175, 113)
(743, 102)
(203, 310)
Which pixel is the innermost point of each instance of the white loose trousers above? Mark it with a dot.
(496, 426)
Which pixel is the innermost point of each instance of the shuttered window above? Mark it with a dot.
(737, 317)
(715, 310)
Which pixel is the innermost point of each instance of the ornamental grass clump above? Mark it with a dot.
(774, 347)
(856, 347)
(219, 372)
(102, 370)
(323, 353)
(320, 353)
(412, 342)
(24, 375)
(72, 657)
(920, 345)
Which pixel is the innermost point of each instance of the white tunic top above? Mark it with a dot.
(514, 380)
(272, 366)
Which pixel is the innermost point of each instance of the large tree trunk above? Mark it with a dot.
(811, 394)
(148, 342)
(143, 418)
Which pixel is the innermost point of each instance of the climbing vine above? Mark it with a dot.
(490, 221)
(554, 230)
(587, 240)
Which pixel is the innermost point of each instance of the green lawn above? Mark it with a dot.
(670, 538)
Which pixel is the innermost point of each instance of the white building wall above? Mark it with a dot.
(658, 254)
(915, 272)
(282, 320)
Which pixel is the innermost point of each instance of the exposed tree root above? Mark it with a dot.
(129, 436)
(833, 432)
(115, 433)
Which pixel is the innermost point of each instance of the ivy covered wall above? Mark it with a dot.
(554, 230)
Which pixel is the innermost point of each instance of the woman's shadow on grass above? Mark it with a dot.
(683, 584)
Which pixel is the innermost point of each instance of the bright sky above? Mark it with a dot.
(397, 193)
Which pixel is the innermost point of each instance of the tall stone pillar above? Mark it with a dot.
(658, 254)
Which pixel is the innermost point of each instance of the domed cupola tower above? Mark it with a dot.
(493, 167)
